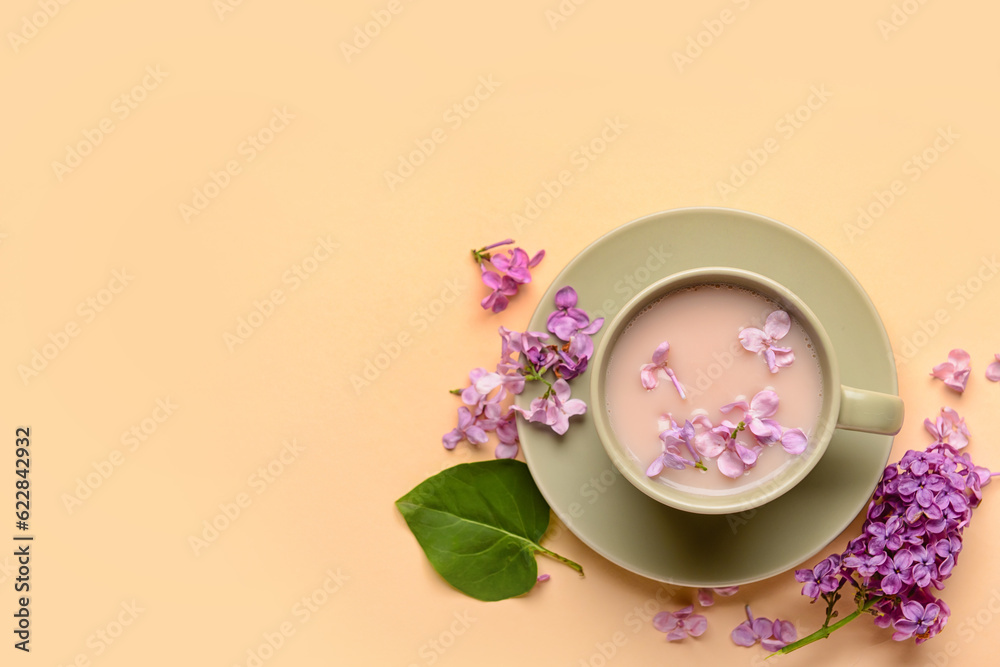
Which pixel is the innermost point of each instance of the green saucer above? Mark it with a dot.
(627, 527)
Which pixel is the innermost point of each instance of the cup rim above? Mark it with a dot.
(768, 489)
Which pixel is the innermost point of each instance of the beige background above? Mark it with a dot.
(400, 272)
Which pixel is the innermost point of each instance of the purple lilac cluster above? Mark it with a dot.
(528, 357)
(911, 537)
(504, 272)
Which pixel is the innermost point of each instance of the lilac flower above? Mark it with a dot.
(821, 579)
(917, 619)
(772, 635)
(681, 623)
(738, 458)
(763, 341)
(712, 440)
(467, 429)
(556, 409)
(954, 372)
(648, 372)
(948, 429)
(993, 369)
(572, 324)
(530, 344)
(673, 437)
(506, 431)
(516, 264)
(755, 414)
(707, 599)
(503, 287)
(542, 578)
(513, 269)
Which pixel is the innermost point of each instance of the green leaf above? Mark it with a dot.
(479, 524)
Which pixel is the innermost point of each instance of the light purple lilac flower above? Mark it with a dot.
(556, 409)
(648, 372)
(681, 623)
(821, 579)
(954, 372)
(757, 415)
(512, 269)
(672, 456)
(772, 635)
(572, 324)
(763, 342)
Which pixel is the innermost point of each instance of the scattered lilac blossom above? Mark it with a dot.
(954, 372)
(543, 578)
(672, 456)
(681, 623)
(763, 342)
(648, 372)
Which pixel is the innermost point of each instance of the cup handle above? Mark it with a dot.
(869, 411)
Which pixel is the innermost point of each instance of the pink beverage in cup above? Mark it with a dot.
(702, 326)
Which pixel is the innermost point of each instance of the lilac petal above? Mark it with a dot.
(488, 383)
(993, 370)
(561, 390)
(794, 441)
(753, 340)
(772, 363)
(696, 625)
(593, 327)
(747, 455)
(729, 407)
(647, 375)
(764, 404)
(536, 259)
(710, 444)
(766, 430)
(451, 439)
(943, 370)
(519, 274)
(491, 279)
(542, 578)
(655, 468)
(566, 297)
(476, 435)
(762, 626)
(960, 358)
(505, 451)
(783, 357)
(726, 591)
(743, 635)
(574, 406)
(705, 597)
(777, 324)
(730, 464)
(496, 302)
(676, 635)
(785, 632)
(660, 353)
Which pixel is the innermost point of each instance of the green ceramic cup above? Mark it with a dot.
(843, 407)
